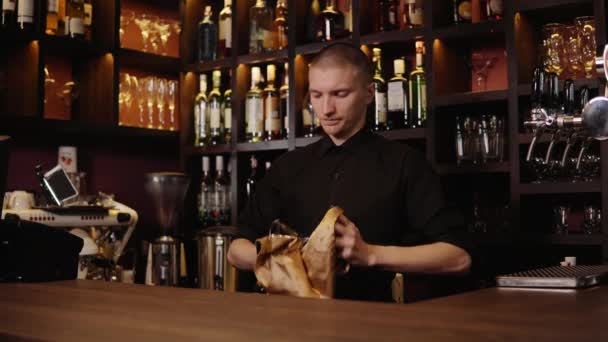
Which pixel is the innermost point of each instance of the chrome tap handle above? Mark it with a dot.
(554, 138)
(569, 143)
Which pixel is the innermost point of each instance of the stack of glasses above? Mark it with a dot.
(479, 140)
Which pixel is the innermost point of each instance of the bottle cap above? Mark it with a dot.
(377, 51)
(219, 163)
(205, 163)
(270, 72)
(207, 10)
(255, 75)
(399, 66)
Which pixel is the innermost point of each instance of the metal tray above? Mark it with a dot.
(555, 277)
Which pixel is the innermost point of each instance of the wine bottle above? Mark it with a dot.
(215, 110)
(379, 105)
(204, 203)
(270, 95)
(417, 95)
(330, 23)
(254, 109)
(207, 37)
(284, 99)
(227, 113)
(260, 28)
(201, 116)
(219, 203)
(279, 27)
(8, 18)
(25, 15)
(225, 35)
(398, 107)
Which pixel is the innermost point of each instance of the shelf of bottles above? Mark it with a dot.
(212, 110)
(214, 199)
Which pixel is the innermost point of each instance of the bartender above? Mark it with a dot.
(395, 216)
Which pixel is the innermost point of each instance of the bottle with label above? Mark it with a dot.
(279, 27)
(330, 23)
(74, 18)
(494, 9)
(25, 15)
(413, 14)
(387, 18)
(417, 94)
(260, 28)
(309, 120)
(88, 19)
(379, 105)
(201, 114)
(398, 107)
(52, 17)
(8, 18)
(204, 201)
(312, 15)
(225, 35)
(254, 109)
(284, 107)
(216, 133)
(252, 179)
(227, 113)
(219, 202)
(272, 118)
(462, 11)
(207, 37)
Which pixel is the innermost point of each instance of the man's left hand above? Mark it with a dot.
(350, 245)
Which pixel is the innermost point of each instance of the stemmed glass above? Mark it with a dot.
(143, 21)
(49, 81)
(124, 98)
(125, 20)
(480, 64)
(163, 26)
(68, 93)
(140, 95)
(170, 99)
(554, 47)
(149, 84)
(154, 34)
(161, 90)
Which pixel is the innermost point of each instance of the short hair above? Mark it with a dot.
(338, 54)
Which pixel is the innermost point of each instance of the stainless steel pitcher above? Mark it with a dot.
(214, 270)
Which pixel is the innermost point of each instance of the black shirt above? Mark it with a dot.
(386, 188)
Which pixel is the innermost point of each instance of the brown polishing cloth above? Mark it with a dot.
(286, 265)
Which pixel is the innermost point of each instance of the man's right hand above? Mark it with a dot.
(242, 254)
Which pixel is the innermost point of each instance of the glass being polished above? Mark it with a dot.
(395, 216)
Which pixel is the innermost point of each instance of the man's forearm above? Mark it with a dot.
(242, 254)
(439, 257)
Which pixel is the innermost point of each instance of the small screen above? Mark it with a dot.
(59, 185)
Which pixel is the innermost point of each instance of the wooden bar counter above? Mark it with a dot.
(94, 310)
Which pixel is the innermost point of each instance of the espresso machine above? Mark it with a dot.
(166, 259)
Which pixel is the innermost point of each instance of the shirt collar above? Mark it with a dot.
(326, 144)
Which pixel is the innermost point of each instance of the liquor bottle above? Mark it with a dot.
(201, 114)
(204, 202)
(309, 122)
(227, 113)
(207, 37)
(284, 107)
(387, 20)
(252, 179)
(225, 35)
(494, 9)
(314, 10)
(417, 95)
(254, 109)
(462, 11)
(88, 19)
(52, 17)
(330, 23)
(459, 143)
(569, 97)
(8, 20)
(272, 118)
(219, 202)
(279, 26)
(74, 18)
(260, 28)
(398, 107)
(379, 106)
(215, 110)
(413, 14)
(25, 15)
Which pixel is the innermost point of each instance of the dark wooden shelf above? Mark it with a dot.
(214, 149)
(527, 5)
(522, 237)
(313, 48)
(263, 146)
(469, 97)
(392, 36)
(74, 48)
(223, 63)
(265, 57)
(491, 167)
(149, 62)
(405, 134)
(558, 188)
(591, 83)
(469, 31)
(301, 142)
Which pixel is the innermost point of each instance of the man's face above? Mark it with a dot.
(339, 99)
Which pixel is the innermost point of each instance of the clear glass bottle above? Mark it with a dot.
(279, 27)
(220, 210)
(398, 104)
(201, 114)
(260, 28)
(74, 19)
(309, 119)
(270, 94)
(379, 106)
(215, 110)
(254, 109)
(225, 35)
(330, 23)
(207, 37)
(417, 94)
(227, 113)
(284, 107)
(204, 201)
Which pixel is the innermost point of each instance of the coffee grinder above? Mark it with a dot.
(168, 191)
